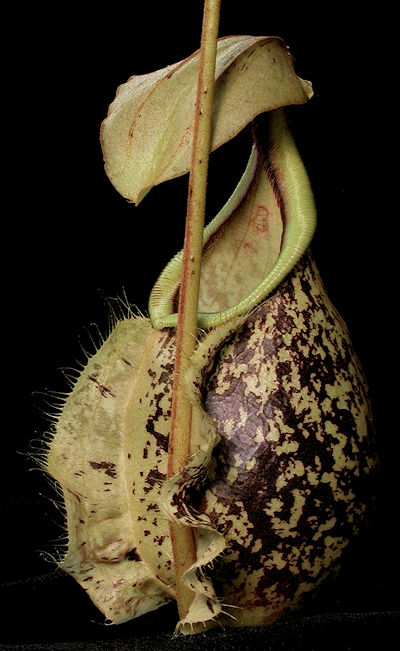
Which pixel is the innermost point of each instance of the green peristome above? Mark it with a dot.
(267, 224)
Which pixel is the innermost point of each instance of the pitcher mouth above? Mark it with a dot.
(267, 225)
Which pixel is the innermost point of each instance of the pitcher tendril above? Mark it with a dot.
(183, 542)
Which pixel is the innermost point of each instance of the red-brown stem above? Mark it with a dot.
(180, 443)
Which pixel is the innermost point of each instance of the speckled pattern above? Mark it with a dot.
(109, 455)
(293, 471)
(276, 490)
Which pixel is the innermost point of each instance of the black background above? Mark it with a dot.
(71, 243)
